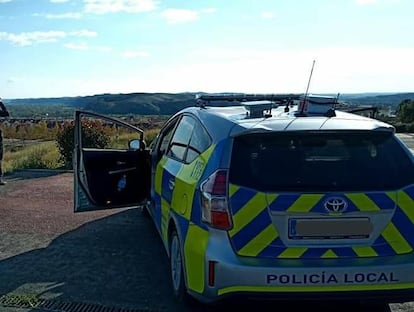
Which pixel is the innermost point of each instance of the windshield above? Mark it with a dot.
(320, 161)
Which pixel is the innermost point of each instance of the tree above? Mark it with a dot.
(406, 111)
(93, 135)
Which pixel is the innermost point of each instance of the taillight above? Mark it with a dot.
(215, 210)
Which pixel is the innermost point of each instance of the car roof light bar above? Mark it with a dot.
(317, 105)
(257, 109)
(206, 98)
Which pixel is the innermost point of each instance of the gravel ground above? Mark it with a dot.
(111, 258)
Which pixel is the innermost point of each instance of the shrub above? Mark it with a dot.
(401, 127)
(43, 155)
(93, 135)
(150, 135)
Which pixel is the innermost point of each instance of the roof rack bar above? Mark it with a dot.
(373, 109)
(248, 97)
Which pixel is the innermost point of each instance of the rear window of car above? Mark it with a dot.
(320, 161)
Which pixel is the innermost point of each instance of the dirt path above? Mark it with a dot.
(109, 258)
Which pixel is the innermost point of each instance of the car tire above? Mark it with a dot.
(177, 268)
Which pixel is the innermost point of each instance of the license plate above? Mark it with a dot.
(329, 228)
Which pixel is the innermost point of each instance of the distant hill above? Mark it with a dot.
(392, 100)
(169, 103)
(132, 103)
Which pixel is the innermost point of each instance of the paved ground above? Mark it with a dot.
(103, 257)
(408, 139)
(111, 258)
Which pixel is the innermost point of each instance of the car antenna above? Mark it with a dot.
(307, 88)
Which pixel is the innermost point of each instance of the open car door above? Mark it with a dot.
(112, 167)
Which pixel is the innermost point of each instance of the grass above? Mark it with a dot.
(34, 155)
(121, 141)
(20, 300)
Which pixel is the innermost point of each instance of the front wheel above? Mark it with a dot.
(176, 266)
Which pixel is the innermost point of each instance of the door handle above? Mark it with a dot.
(122, 170)
(171, 184)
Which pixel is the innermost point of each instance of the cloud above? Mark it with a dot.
(113, 6)
(37, 37)
(77, 46)
(84, 46)
(267, 15)
(60, 16)
(209, 10)
(365, 2)
(357, 69)
(29, 38)
(83, 33)
(59, 1)
(371, 2)
(179, 16)
(5, 1)
(102, 48)
(134, 54)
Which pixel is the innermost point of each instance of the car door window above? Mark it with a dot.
(199, 142)
(164, 138)
(181, 138)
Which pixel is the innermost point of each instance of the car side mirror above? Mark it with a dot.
(134, 144)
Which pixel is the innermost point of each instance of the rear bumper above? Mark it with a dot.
(351, 297)
(388, 279)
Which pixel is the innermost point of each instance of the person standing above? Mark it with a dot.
(3, 113)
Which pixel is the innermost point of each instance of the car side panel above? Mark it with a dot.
(164, 186)
(194, 237)
(182, 205)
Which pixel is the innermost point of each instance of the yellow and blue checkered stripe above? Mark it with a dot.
(255, 235)
(183, 203)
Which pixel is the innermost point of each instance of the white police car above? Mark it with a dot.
(266, 197)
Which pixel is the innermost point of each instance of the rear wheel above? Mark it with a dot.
(176, 266)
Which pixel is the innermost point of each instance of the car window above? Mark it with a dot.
(199, 142)
(351, 161)
(98, 133)
(181, 138)
(165, 137)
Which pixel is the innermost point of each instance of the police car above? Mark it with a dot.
(283, 196)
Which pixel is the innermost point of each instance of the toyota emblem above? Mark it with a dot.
(335, 204)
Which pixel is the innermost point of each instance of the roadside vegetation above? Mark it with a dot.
(404, 121)
(47, 145)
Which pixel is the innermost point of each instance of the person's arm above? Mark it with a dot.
(3, 110)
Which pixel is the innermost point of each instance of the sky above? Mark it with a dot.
(56, 48)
